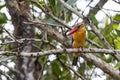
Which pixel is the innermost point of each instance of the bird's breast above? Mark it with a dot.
(79, 38)
(79, 35)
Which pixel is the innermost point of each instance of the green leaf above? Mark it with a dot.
(3, 18)
(91, 35)
(70, 2)
(107, 30)
(51, 21)
(42, 2)
(53, 2)
(9, 47)
(63, 57)
(92, 16)
(115, 26)
(1, 31)
(109, 60)
(68, 16)
(118, 32)
(117, 66)
(113, 35)
(56, 68)
(59, 9)
(1, 6)
(107, 33)
(90, 64)
(106, 23)
(117, 43)
(117, 17)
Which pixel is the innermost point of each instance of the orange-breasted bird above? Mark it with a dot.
(79, 38)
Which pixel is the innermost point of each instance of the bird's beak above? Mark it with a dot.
(72, 31)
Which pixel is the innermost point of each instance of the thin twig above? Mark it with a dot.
(21, 40)
(5, 58)
(117, 1)
(42, 23)
(107, 68)
(70, 8)
(106, 9)
(12, 37)
(48, 13)
(93, 43)
(68, 66)
(6, 75)
(93, 28)
(91, 25)
(11, 69)
(43, 67)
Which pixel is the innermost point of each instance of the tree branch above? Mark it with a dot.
(6, 75)
(60, 51)
(97, 7)
(43, 67)
(56, 19)
(102, 64)
(50, 14)
(5, 58)
(68, 66)
(51, 32)
(11, 69)
(94, 29)
(94, 44)
(57, 36)
(70, 8)
(12, 37)
(87, 56)
(22, 40)
(91, 25)
(102, 38)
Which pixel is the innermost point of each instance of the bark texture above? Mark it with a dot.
(28, 67)
(97, 7)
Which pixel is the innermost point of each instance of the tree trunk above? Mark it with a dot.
(28, 67)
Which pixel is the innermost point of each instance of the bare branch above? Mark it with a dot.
(44, 23)
(5, 58)
(102, 64)
(106, 9)
(6, 75)
(50, 14)
(94, 44)
(91, 25)
(117, 1)
(22, 40)
(102, 38)
(12, 37)
(87, 56)
(11, 69)
(70, 8)
(51, 32)
(60, 51)
(43, 67)
(68, 66)
(94, 29)
(97, 7)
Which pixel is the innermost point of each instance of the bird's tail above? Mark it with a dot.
(75, 59)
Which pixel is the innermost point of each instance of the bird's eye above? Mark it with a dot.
(79, 25)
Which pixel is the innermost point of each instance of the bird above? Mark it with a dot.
(79, 38)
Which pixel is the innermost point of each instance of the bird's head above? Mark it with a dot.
(75, 28)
